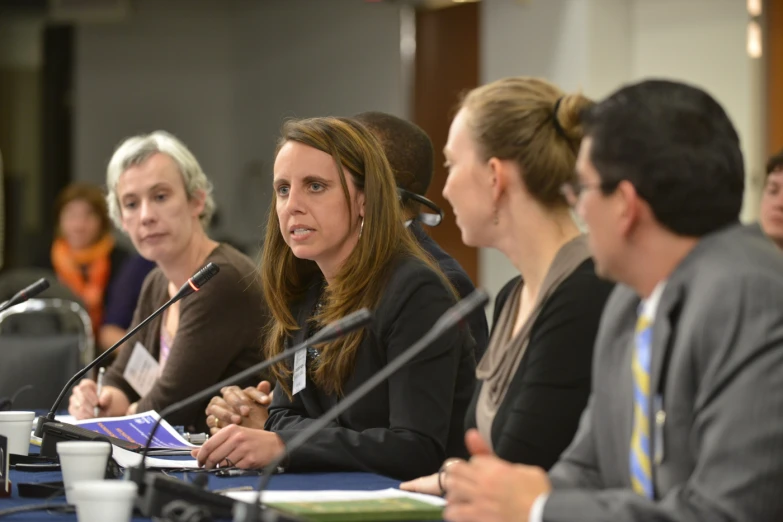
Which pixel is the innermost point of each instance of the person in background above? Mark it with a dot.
(771, 211)
(683, 422)
(511, 147)
(409, 152)
(84, 255)
(122, 299)
(335, 243)
(160, 196)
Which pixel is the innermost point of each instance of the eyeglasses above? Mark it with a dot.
(428, 218)
(571, 191)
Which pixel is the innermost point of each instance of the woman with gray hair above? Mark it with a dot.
(159, 195)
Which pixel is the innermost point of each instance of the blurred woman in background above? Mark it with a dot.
(84, 254)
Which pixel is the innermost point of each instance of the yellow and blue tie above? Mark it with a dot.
(641, 476)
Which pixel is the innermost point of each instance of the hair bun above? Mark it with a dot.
(568, 115)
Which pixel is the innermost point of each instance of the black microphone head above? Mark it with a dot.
(205, 274)
(476, 299)
(36, 288)
(347, 324)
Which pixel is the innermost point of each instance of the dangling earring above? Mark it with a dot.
(361, 228)
(495, 219)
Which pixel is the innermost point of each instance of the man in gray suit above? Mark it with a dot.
(684, 422)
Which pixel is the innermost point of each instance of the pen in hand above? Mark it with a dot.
(97, 409)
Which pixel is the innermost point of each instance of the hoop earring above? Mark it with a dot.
(361, 228)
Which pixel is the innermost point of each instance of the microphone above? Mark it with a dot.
(25, 294)
(156, 491)
(60, 431)
(244, 512)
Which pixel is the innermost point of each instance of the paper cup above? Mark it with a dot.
(80, 461)
(15, 425)
(104, 500)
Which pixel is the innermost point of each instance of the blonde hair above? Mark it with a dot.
(138, 149)
(535, 124)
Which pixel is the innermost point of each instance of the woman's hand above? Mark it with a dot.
(84, 398)
(241, 447)
(434, 484)
(248, 407)
(427, 484)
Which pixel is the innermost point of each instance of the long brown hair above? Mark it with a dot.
(362, 278)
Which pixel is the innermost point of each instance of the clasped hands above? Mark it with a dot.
(485, 488)
(236, 425)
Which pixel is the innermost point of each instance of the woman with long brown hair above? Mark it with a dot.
(335, 242)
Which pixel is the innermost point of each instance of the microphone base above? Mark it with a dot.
(158, 490)
(54, 432)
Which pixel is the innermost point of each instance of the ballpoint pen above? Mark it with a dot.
(97, 410)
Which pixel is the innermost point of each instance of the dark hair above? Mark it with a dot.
(89, 193)
(675, 144)
(408, 149)
(775, 163)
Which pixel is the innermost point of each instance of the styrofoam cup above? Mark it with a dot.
(80, 461)
(16, 427)
(104, 500)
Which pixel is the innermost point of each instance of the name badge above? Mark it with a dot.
(300, 371)
(142, 370)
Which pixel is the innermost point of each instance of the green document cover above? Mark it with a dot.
(362, 510)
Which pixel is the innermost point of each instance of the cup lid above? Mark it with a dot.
(83, 446)
(104, 488)
(17, 415)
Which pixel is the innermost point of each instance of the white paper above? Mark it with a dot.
(332, 496)
(142, 370)
(300, 371)
(127, 459)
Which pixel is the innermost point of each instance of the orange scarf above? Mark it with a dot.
(72, 266)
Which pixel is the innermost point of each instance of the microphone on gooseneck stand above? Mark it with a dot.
(244, 512)
(156, 491)
(25, 294)
(52, 431)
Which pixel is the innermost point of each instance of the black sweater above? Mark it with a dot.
(540, 412)
(406, 427)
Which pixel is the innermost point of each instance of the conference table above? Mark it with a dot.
(284, 481)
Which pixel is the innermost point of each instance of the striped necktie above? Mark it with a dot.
(641, 476)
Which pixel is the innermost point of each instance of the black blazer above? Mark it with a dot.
(540, 412)
(406, 427)
(477, 321)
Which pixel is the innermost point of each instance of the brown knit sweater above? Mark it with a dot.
(219, 335)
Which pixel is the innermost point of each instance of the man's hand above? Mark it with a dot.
(488, 489)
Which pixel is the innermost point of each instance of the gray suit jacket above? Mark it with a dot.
(717, 369)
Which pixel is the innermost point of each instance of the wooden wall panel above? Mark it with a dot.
(447, 64)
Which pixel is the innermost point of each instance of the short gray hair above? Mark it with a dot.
(138, 149)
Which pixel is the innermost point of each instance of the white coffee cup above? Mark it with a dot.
(104, 500)
(17, 427)
(80, 461)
